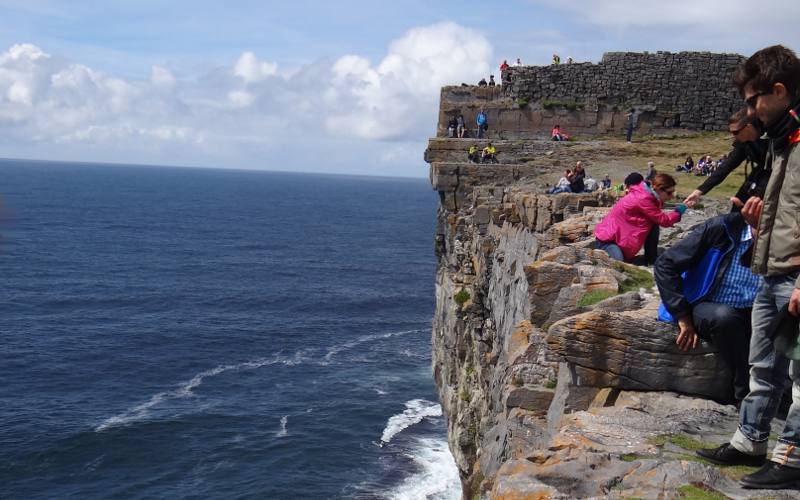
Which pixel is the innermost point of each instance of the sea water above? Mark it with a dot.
(212, 333)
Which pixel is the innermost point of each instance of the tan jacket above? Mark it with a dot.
(776, 251)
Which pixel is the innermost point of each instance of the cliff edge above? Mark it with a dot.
(556, 379)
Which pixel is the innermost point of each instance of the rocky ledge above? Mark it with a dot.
(556, 379)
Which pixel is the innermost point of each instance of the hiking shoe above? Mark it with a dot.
(773, 476)
(728, 455)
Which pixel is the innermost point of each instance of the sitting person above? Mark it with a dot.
(623, 232)
(452, 125)
(687, 166)
(491, 81)
(589, 185)
(576, 183)
(713, 306)
(557, 135)
(472, 154)
(482, 82)
(562, 186)
(489, 154)
(606, 182)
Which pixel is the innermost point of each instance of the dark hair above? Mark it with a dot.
(765, 68)
(739, 117)
(663, 181)
(633, 179)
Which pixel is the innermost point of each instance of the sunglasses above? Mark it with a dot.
(736, 132)
(753, 99)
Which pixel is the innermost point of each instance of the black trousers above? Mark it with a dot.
(728, 329)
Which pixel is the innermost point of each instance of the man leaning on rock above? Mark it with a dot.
(769, 82)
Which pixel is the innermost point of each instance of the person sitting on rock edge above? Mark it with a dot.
(721, 315)
(472, 154)
(482, 82)
(562, 186)
(489, 154)
(491, 81)
(624, 230)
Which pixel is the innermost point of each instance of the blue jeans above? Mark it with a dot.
(769, 374)
(611, 248)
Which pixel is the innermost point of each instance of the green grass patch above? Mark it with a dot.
(659, 440)
(550, 384)
(461, 297)
(629, 457)
(556, 103)
(594, 297)
(688, 443)
(636, 278)
(464, 395)
(699, 492)
(522, 102)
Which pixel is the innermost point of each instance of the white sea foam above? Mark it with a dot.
(416, 410)
(333, 351)
(282, 432)
(436, 477)
(185, 390)
(381, 392)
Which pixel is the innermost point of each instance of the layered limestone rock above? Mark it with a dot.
(538, 340)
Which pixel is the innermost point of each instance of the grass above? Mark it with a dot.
(555, 103)
(461, 297)
(594, 297)
(637, 278)
(699, 492)
(464, 395)
(550, 384)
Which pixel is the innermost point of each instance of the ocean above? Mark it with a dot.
(212, 333)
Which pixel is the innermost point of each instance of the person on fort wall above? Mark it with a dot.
(483, 123)
(503, 67)
(769, 82)
(623, 232)
(707, 290)
(748, 147)
(461, 126)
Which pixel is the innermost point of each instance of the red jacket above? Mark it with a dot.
(632, 218)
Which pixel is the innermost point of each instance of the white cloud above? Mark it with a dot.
(250, 69)
(233, 115)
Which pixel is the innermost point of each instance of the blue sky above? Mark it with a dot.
(348, 86)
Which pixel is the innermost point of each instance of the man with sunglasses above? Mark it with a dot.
(747, 146)
(770, 83)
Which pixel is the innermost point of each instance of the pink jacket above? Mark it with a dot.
(632, 218)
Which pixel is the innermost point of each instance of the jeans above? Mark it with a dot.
(611, 248)
(729, 330)
(651, 245)
(768, 380)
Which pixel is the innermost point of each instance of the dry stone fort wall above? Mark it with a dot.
(669, 92)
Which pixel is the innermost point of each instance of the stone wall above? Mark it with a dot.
(669, 91)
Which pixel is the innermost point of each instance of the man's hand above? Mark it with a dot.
(687, 337)
(794, 303)
(751, 211)
(693, 198)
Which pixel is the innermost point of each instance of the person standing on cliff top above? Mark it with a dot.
(747, 146)
(556, 59)
(503, 67)
(631, 123)
(518, 62)
(769, 81)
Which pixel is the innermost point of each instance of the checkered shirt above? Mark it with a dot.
(738, 286)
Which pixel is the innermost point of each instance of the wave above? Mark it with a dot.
(333, 351)
(436, 477)
(282, 432)
(416, 410)
(185, 390)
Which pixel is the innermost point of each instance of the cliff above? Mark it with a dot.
(556, 380)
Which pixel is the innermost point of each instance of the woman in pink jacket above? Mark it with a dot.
(623, 231)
